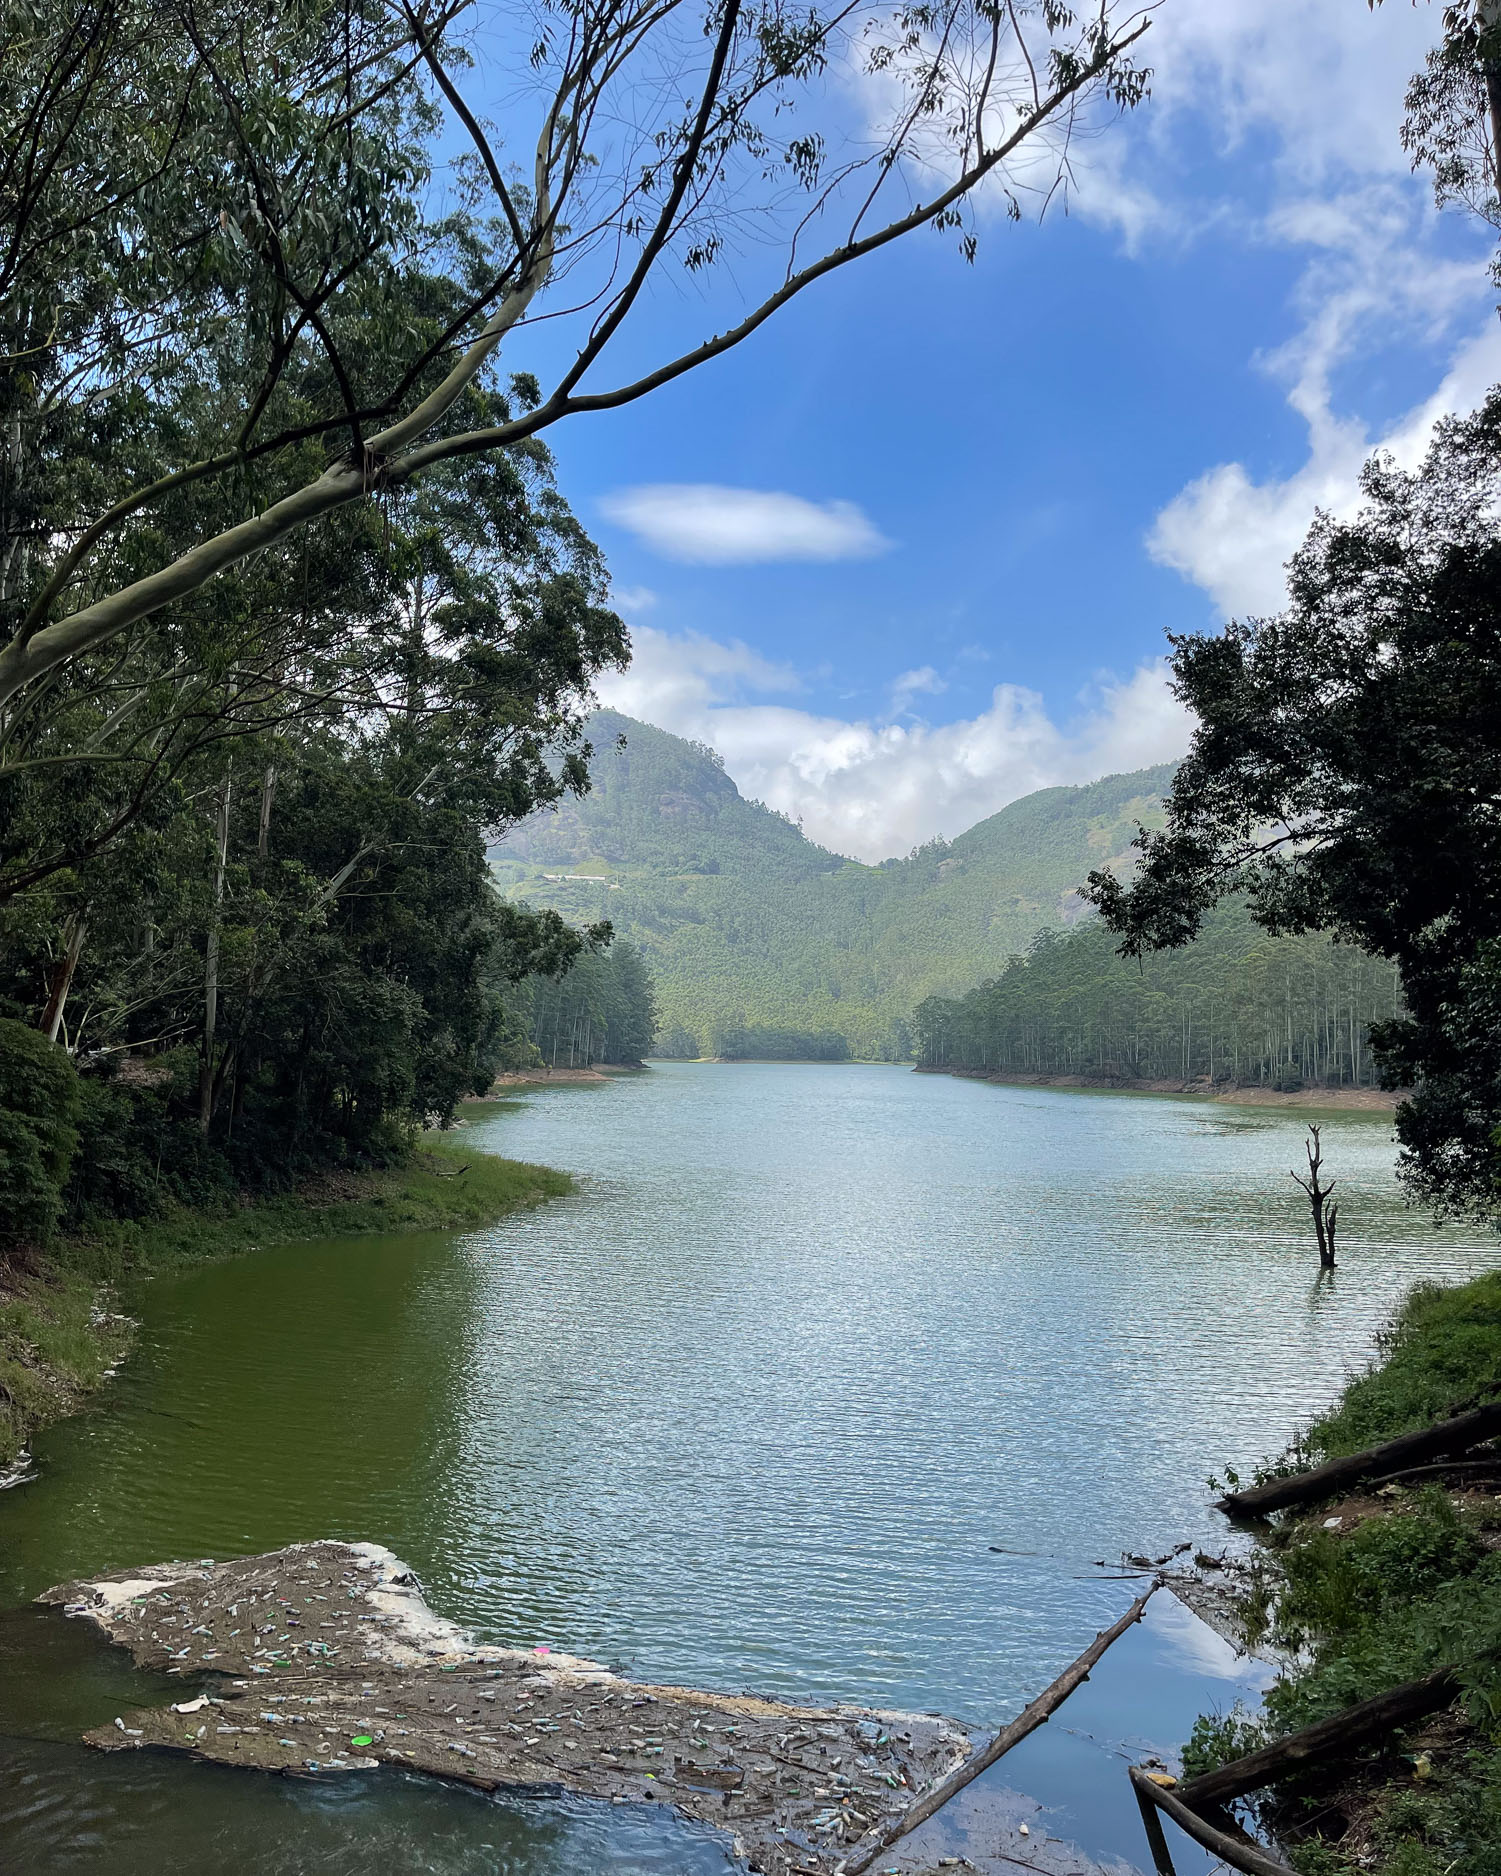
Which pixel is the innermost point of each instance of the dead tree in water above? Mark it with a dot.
(1325, 1215)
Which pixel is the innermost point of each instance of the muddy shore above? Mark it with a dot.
(1250, 1094)
(325, 1658)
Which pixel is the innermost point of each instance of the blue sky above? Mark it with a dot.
(911, 551)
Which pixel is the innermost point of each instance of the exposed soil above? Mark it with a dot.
(546, 1077)
(331, 1661)
(1231, 1094)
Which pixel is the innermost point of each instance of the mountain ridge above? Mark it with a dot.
(745, 921)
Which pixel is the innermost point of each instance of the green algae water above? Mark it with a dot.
(828, 1382)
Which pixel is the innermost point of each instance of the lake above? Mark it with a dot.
(834, 1382)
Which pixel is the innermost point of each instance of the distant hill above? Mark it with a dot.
(748, 924)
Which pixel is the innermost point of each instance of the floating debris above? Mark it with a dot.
(383, 1680)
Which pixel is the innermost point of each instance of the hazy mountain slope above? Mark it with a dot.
(743, 920)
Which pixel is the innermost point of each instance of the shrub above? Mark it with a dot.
(38, 1107)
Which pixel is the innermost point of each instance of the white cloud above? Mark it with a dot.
(1317, 92)
(717, 526)
(671, 681)
(923, 682)
(872, 788)
(632, 599)
(1232, 535)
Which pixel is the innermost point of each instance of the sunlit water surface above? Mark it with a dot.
(832, 1382)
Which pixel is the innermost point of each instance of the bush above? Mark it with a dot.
(38, 1108)
(137, 1150)
(1335, 1584)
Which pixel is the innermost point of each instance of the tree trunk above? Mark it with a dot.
(1328, 1739)
(1449, 1437)
(1027, 1721)
(268, 796)
(1247, 1857)
(211, 961)
(62, 976)
(1488, 17)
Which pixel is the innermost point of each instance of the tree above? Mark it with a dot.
(1346, 775)
(1325, 1215)
(1452, 125)
(233, 210)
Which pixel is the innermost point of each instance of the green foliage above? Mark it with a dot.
(679, 1045)
(603, 1009)
(292, 954)
(1332, 1585)
(743, 921)
(1444, 1620)
(1342, 774)
(1449, 1822)
(425, 1193)
(750, 1043)
(1220, 1737)
(55, 1345)
(1441, 1352)
(1237, 1005)
(38, 1107)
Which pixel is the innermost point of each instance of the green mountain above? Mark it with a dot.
(746, 923)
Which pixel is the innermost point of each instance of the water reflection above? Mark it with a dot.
(839, 1383)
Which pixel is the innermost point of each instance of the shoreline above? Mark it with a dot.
(62, 1336)
(544, 1077)
(1246, 1094)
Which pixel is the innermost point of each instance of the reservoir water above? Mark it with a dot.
(831, 1382)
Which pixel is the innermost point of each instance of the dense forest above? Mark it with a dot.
(752, 1042)
(1237, 1006)
(603, 1008)
(747, 925)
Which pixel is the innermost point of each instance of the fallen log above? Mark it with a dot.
(1449, 1437)
(1247, 1857)
(1027, 1721)
(1368, 1719)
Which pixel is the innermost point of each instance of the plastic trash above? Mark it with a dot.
(362, 1739)
(190, 1706)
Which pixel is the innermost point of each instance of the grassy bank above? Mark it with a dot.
(1383, 1587)
(60, 1336)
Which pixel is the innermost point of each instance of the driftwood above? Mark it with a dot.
(1027, 1721)
(1449, 1437)
(1368, 1719)
(1460, 1469)
(1240, 1855)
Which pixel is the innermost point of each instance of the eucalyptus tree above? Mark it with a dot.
(240, 211)
(1452, 125)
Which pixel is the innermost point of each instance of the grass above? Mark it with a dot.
(1409, 1581)
(59, 1340)
(1441, 1352)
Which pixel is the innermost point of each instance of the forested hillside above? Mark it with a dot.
(748, 926)
(1236, 1005)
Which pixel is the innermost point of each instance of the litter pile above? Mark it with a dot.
(333, 1662)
